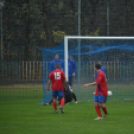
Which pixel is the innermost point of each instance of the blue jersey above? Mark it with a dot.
(71, 67)
(103, 70)
(53, 64)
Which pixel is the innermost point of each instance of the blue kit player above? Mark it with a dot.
(71, 70)
(55, 62)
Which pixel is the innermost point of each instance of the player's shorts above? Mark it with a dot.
(100, 99)
(58, 94)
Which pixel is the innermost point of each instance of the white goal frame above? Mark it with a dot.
(66, 38)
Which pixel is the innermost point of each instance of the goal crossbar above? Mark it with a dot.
(66, 38)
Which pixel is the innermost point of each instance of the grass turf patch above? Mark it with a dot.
(26, 117)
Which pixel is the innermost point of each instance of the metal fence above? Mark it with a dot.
(24, 80)
(34, 70)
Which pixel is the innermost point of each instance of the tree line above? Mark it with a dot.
(29, 24)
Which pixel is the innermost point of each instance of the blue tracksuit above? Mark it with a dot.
(71, 69)
(53, 64)
(103, 70)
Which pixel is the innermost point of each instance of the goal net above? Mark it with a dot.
(116, 55)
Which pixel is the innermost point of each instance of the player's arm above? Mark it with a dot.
(48, 85)
(90, 84)
(49, 82)
(65, 85)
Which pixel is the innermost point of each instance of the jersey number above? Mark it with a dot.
(57, 76)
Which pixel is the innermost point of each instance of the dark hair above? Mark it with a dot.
(57, 66)
(99, 62)
(98, 66)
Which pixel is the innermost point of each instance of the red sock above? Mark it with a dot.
(62, 102)
(55, 105)
(105, 110)
(98, 111)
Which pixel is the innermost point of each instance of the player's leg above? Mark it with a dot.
(68, 96)
(102, 102)
(60, 95)
(103, 106)
(54, 95)
(74, 97)
(70, 81)
(70, 84)
(50, 102)
(97, 108)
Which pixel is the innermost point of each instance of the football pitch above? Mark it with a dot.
(29, 117)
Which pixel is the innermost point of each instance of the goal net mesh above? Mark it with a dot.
(116, 56)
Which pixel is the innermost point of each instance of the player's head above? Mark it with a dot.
(98, 67)
(57, 66)
(99, 62)
(56, 56)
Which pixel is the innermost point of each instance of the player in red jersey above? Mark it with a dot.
(58, 80)
(100, 92)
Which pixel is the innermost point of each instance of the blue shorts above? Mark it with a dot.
(100, 99)
(58, 94)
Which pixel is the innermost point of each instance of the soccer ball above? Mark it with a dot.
(109, 93)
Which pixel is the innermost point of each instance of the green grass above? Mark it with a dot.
(29, 117)
(35, 91)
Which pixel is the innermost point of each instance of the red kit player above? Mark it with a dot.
(58, 80)
(100, 92)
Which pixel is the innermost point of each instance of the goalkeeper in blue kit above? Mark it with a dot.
(54, 62)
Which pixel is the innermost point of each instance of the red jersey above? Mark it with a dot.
(57, 77)
(101, 87)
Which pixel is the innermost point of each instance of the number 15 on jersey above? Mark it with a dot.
(57, 75)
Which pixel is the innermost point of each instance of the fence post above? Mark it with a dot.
(111, 70)
(6, 69)
(94, 68)
(26, 70)
(33, 69)
(23, 70)
(2, 68)
(37, 71)
(19, 70)
(107, 70)
(40, 71)
(120, 70)
(124, 69)
(13, 70)
(10, 70)
(83, 65)
(133, 69)
(30, 70)
(114, 70)
(127, 71)
(87, 69)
